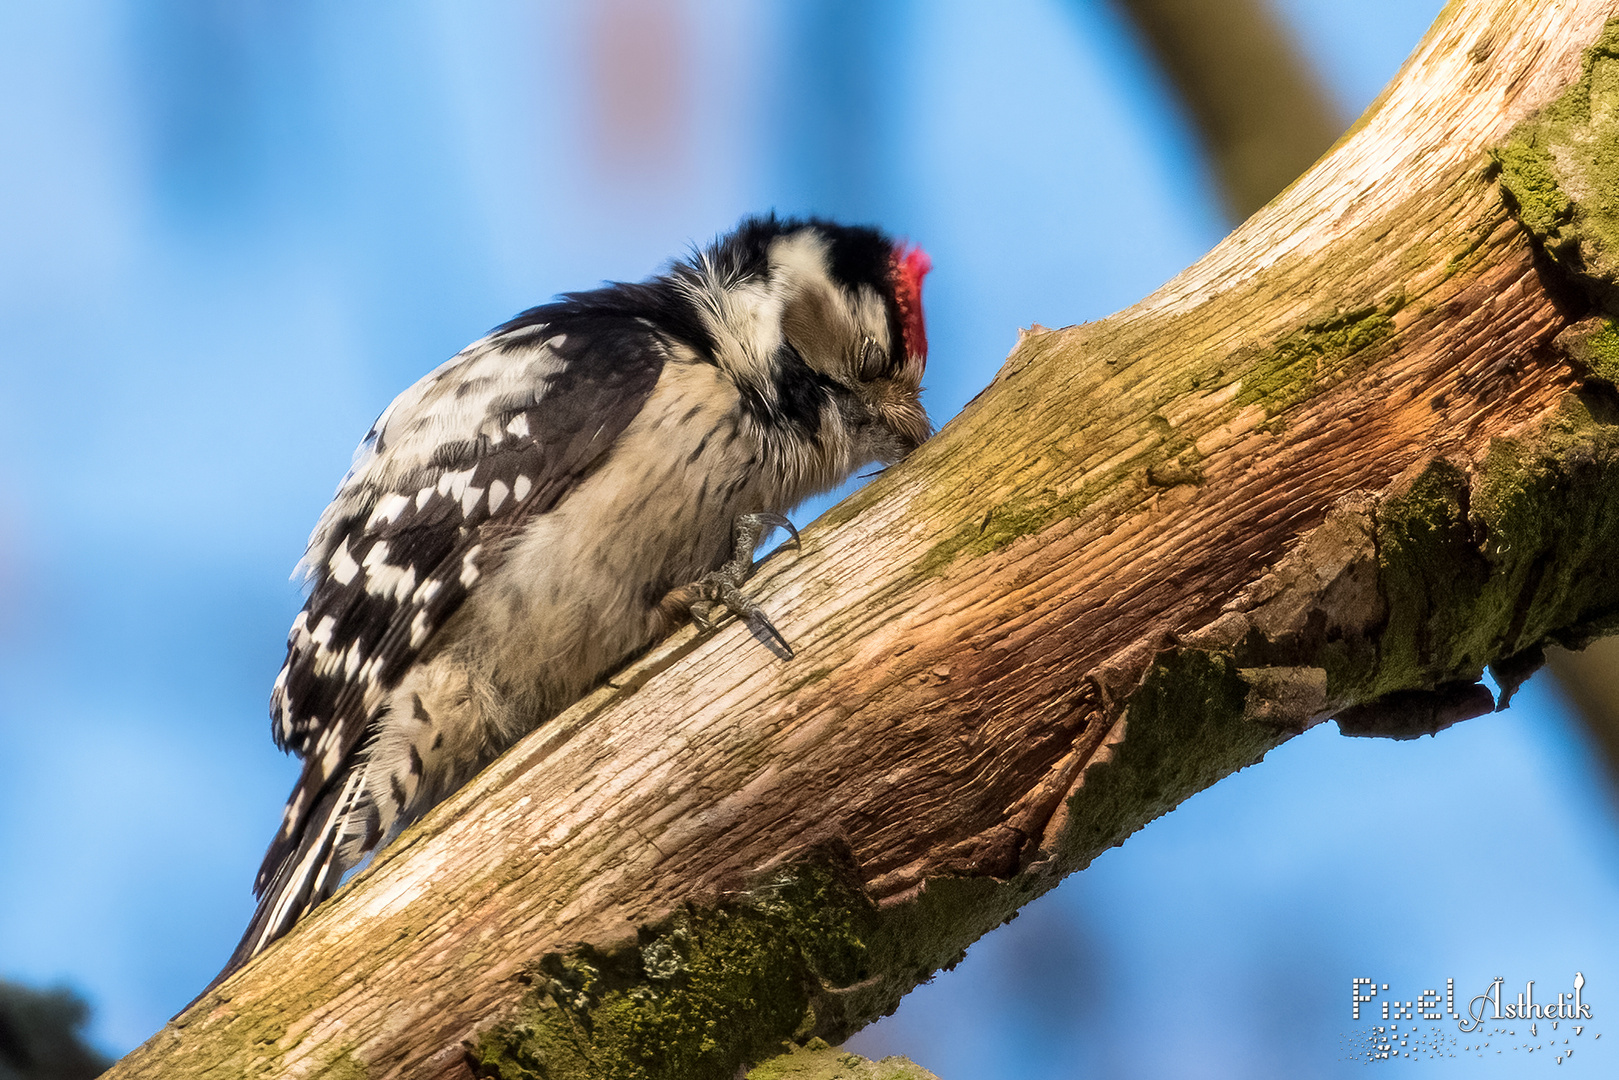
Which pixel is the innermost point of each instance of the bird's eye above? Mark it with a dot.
(870, 361)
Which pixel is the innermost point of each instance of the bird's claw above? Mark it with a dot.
(719, 592)
(777, 521)
(722, 588)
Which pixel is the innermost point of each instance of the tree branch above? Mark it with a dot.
(1337, 467)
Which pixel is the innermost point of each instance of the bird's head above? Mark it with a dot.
(848, 304)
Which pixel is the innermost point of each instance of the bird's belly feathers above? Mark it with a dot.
(578, 591)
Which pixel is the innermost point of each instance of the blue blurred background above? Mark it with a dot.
(230, 232)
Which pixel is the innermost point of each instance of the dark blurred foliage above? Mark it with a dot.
(1259, 109)
(40, 1035)
(1590, 679)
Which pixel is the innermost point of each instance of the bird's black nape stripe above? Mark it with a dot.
(860, 256)
(800, 394)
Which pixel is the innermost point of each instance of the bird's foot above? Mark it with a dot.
(722, 588)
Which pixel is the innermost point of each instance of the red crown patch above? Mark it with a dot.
(909, 265)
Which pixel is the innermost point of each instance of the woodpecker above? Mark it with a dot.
(559, 495)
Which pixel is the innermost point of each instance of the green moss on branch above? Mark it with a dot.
(818, 1061)
(711, 987)
(1319, 354)
(1559, 173)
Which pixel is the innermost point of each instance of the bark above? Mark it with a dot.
(1365, 448)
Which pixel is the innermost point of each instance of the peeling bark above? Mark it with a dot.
(1338, 467)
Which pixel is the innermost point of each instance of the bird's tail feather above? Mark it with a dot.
(311, 872)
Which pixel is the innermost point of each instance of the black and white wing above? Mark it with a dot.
(495, 436)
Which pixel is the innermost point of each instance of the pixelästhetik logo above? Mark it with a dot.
(1493, 1022)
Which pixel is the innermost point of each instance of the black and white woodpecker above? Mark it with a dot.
(559, 495)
